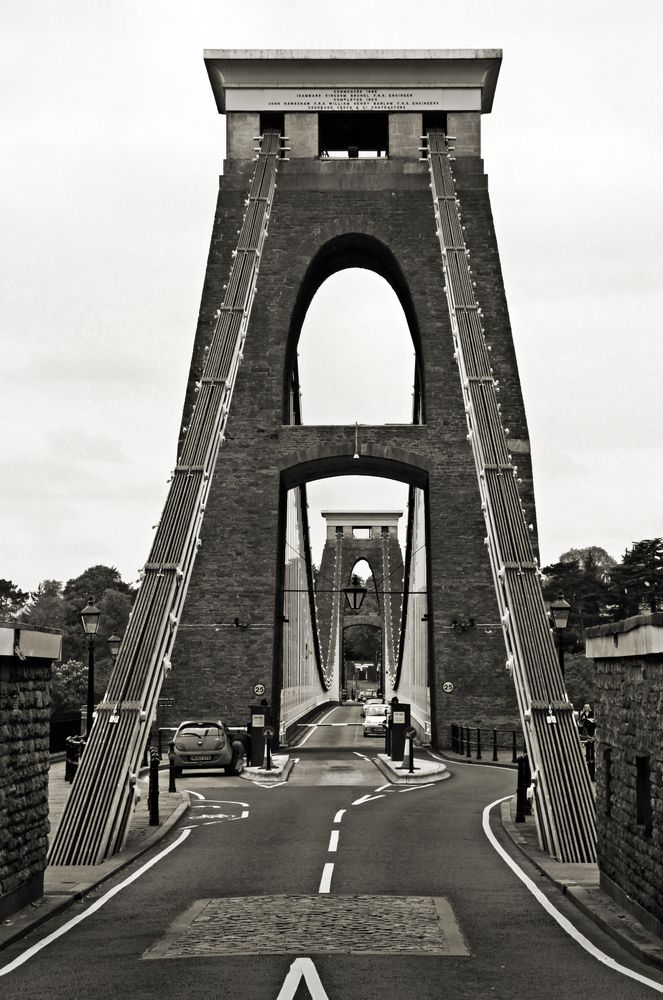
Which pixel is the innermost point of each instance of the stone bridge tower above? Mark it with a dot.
(350, 538)
(370, 207)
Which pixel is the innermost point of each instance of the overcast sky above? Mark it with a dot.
(112, 148)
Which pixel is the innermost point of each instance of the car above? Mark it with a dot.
(206, 744)
(370, 701)
(375, 719)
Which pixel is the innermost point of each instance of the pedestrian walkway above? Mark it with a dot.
(63, 884)
(580, 884)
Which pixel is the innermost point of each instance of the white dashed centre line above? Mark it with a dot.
(325, 881)
(333, 841)
(339, 816)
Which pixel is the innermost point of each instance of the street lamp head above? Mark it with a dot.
(90, 617)
(114, 642)
(355, 594)
(560, 610)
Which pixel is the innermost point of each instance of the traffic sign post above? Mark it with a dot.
(261, 716)
(399, 720)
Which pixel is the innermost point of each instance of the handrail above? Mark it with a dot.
(95, 821)
(565, 811)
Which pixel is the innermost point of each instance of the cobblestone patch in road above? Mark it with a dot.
(313, 925)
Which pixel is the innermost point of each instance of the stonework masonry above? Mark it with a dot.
(628, 659)
(328, 215)
(24, 757)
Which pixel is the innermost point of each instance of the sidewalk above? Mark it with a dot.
(580, 884)
(64, 884)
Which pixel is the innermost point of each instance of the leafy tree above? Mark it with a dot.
(93, 582)
(12, 600)
(68, 686)
(46, 606)
(360, 642)
(637, 584)
(583, 577)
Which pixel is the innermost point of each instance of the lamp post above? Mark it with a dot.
(560, 610)
(90, 616)
(355, 594)
(114, 642)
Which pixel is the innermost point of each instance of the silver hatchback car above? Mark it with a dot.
(204, 745)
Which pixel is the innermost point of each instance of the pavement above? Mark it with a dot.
(63, 884)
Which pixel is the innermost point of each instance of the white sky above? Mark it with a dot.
(112, 147)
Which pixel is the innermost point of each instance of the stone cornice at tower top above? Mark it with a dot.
(239, 77)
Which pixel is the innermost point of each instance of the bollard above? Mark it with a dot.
(513, 746)
(494, 744)
(478, 744)
(454, 738)
(521, 792)
(153, 792)
(461, 745)
(590, 758)
(468, 745)
(268, 733)
(171, 767)
(411, 732)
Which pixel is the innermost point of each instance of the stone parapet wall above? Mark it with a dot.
(24, 759)
(629, 714)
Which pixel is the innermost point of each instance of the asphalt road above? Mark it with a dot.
(385, 891)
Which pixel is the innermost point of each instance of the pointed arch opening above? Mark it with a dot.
(354, 352)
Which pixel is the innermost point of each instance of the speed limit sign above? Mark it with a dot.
(447, 687)
(258, 689)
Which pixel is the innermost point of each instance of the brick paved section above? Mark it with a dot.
(376, 214)
(313, 925)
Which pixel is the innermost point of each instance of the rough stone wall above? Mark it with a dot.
(629, 714)
(237, 571)
(24, 736)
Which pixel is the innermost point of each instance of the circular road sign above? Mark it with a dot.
(258, 689)
(410, 733)
(447, 687)
(268, 732)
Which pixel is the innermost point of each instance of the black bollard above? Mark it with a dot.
(521, 792)
(171, 767)
(153, 792)
(468, 745)
(513, 746)
(478, 744)
(494, 744)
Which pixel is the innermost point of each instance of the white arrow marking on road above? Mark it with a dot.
(415, 788)
(366, 798)
(302, 968)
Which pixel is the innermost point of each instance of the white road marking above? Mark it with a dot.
(269, 784)
(552, 910)
(190, 791)
(414, 788)
(362, 755)
(339, 816)
(32, 951)
(382, 787)
(325, 881)
(366, 798)
(302, 968)
(333, 841)
(245, 813)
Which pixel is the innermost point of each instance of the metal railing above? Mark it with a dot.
(565, 810)
(502, 745)
(96, 818)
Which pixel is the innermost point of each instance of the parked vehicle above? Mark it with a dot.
(375, 719)
(206, 745)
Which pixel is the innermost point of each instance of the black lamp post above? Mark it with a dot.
(355, 594)
(560, 610)
(114, 642)
(90, 617)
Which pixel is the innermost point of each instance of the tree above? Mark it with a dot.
(68, 686)
(637, 584)
(93, 582)
(583, 576)
(12, 600)
(46, 607)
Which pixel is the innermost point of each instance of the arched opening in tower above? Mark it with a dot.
(355, 358)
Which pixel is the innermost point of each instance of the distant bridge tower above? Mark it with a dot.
(352, 537)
